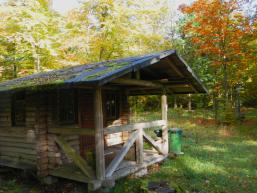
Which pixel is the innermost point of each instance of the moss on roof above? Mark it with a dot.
(97, 73)
(110, 68)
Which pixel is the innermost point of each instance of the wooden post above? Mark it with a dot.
(165, 139)
(140, 147)
(99, 135)
(41, 135)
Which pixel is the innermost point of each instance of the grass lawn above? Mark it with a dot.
(217, 159)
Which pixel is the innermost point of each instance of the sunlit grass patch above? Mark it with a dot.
(217, 158)
(213, 148)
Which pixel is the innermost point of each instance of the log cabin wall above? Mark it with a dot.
(122, 117)
(56, 157)
(17, 143)
(86, 121)
(35, 145)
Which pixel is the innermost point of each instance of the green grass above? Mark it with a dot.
(216, 159)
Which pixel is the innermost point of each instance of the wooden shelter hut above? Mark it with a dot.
(73, 123)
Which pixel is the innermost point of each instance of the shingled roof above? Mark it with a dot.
(103, 72)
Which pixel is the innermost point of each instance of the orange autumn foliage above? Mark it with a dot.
(218, 29)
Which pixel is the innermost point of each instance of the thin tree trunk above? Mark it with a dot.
(238, 103)
(175, 102)
(189, 102)
(225, 82)
(38, 63)
(14, 71)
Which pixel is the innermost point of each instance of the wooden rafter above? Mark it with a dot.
(135, 82)
(175, 69)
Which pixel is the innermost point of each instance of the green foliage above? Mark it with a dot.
(28, 34)
(229, 115)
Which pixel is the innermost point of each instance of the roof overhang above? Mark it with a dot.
(166, 68)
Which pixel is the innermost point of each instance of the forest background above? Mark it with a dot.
(218, 39)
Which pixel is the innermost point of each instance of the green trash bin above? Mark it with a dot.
(175, 140)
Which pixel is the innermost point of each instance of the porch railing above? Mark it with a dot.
(137, 136)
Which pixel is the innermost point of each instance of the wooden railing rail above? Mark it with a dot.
(132, 127)
(72, 131)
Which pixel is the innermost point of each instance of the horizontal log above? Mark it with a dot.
(131, 127)
(135, 82)
(17, 164)
(24, 160)
(17, 140)
(18, 155)
(17, 150)
(72, 131)
(18, 145)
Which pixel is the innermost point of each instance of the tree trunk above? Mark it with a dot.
(225, 82)
(175, 102)
(14, 71)
(189, 102)
(238, 103)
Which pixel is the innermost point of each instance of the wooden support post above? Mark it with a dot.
(99, 135)
(41, 136)
(165, 139)
(140, 147)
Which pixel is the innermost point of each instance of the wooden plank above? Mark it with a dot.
(121, 154)
(72, 172)
(15, 131)
(72, 131)
(18, 159)
(135, 82)
(165, 139)
(132, 167)
(18, 155)
(131, 127)
(16, 139)
(17, 164)
(174, 67)
(153, 143)
(17, 145)
(99, 135)
(140, 147)
(17, 150)
(76, 158)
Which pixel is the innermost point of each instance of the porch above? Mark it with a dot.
(103, 172)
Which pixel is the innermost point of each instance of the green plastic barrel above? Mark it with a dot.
(175, 140)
